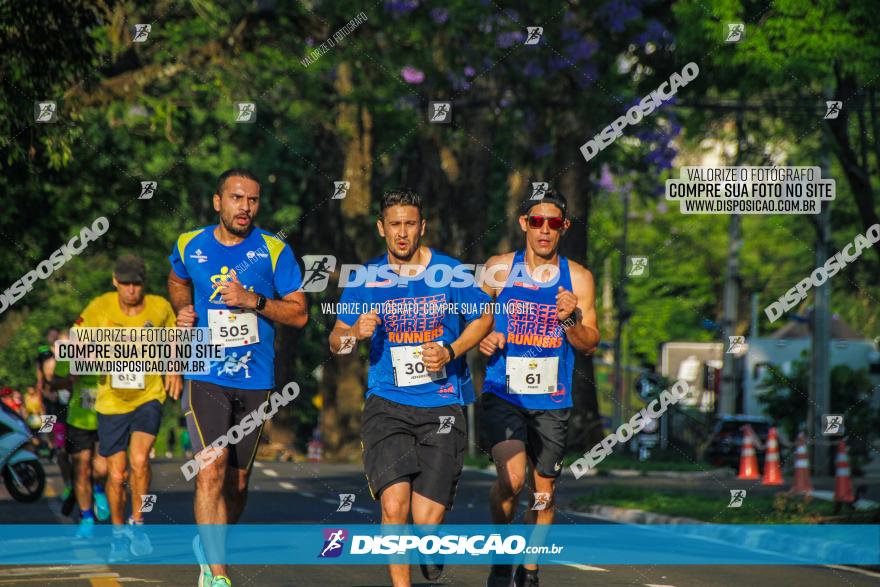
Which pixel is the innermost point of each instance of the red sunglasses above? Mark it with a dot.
(554, 222)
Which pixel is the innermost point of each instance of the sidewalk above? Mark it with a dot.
(711, 482)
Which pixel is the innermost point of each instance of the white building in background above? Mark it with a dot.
(786, 346)
(699, 363)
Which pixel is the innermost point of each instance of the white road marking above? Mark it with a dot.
(72, 569)
(585, 567)
(258, 464)
(287, 485)
(657, 585)
(854, 570)
(307, 494)
(270, 472)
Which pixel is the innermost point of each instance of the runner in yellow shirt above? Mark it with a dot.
(129, 406)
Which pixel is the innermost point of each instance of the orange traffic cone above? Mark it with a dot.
(802, 483)
(748, 462)
(843, 492)
(772, 470)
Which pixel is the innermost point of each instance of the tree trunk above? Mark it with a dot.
(857, 176)
(342, 378)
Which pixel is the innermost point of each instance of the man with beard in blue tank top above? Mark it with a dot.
(544, 314)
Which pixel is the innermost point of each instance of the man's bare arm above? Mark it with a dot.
(584, 334)
(291, 310)
(179, 291)
(473, 333)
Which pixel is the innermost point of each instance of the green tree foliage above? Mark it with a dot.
(785, 398)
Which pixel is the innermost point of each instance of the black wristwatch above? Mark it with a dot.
(451, 353)
(261, 303)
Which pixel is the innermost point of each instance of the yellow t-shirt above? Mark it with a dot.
(104, 311)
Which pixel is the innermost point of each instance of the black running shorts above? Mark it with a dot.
(542, 431)
(424, 446)
(212, 410)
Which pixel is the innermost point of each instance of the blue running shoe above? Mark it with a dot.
(102, 506)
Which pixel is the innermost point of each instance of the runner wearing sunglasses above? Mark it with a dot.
(544, 315)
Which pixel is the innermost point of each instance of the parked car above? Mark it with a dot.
(725, 442)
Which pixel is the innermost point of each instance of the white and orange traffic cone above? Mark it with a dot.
(748, 461)
(843, 491)
(772, 470)
(802, 483)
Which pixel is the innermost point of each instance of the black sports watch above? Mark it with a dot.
(451, 353)
(261, 303)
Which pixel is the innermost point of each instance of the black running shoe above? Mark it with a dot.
(68, 500)
(525, 578)
(431, 571)
(500, 576)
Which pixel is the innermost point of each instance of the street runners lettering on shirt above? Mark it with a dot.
(268, 267)
(412, 314)
(534, 324)
(415, 320)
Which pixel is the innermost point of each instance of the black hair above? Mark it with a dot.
(551, 196)
(234, 172)
(400, 197)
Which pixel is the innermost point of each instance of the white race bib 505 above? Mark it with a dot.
(233, 328)
(527, 375)
(409, 368)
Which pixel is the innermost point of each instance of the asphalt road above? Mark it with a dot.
(308, 493)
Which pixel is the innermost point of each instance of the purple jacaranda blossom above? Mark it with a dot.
(399, 7)
(606, 180)
(655, 33)
(616, 13)
(542, 150)
(587, 74)
(509, 38)
(440, 15)
(580, 50)
(411, 75)
(533, 69)
(459, 84)
(470, 71)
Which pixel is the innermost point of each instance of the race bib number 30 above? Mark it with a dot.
(127, 380)
(532, 375)
(409, 368)
(233, 328)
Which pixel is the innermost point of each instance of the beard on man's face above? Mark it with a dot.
(229, 223)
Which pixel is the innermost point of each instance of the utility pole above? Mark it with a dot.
(820, 367)
(622, 316)
(727, 405)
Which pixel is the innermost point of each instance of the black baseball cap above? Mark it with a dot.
(550, 197)
(130, 269)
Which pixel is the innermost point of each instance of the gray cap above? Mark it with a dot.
(130, 269)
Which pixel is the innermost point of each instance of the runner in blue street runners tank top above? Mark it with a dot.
(544, 315)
